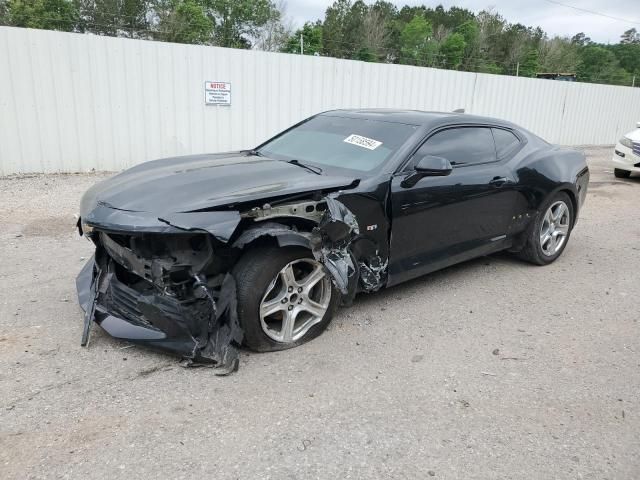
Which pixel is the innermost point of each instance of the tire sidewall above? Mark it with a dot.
(270, 261)
(535, 234)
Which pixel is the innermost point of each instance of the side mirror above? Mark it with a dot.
(427, 166)
(434, 166)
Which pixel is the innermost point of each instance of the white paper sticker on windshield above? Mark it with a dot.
(364, 142)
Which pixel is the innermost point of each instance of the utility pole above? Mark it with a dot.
(301, 44)
(518, 69)
(633, 82)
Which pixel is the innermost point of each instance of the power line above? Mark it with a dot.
(626, 20)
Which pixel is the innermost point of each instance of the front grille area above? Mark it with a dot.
(122, 301)
(635, 148)
(124, 256)
(129, 297)
(166, 261)
(148, 280)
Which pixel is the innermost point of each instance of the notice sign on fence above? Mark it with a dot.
(217, 93)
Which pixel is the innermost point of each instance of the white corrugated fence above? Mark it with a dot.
(72, 102)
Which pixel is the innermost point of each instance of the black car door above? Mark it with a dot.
(442, 220)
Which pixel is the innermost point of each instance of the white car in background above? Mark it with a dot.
(626, 156)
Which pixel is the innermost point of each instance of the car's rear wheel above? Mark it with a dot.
(621, 173)
(549, 233)
(285, 297)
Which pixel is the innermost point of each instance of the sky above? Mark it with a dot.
(552, 18)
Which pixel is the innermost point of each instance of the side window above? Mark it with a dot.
(461, 146)
(506, 142)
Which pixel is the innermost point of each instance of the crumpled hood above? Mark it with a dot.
(187, 184)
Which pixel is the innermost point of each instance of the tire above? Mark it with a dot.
(534, 250)
(259, 277)
(621, 173)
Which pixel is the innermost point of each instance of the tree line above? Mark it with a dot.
(454, 38)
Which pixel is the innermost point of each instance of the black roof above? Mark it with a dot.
(417, 117)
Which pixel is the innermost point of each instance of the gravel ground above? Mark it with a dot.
(489, 369)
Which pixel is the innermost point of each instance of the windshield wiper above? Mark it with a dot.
(314, 169)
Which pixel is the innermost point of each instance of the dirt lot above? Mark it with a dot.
(490, 369)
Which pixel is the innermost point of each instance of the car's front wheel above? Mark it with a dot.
(285, 297)
(549, 233)
(619, 173)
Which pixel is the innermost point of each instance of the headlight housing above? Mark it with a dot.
(87, 230)
(626, 142)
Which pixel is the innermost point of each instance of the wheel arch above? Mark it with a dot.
(574, 202)
(282, 232)
(520, 238)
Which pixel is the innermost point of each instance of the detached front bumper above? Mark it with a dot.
(203, 331)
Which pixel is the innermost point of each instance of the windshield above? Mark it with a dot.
(356, 144)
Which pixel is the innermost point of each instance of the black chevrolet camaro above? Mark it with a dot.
(198, 255)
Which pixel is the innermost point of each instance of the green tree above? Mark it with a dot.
(44, 14)
(312, 39)
(628, 56)
(236, 22)
(452, 50)
(558, 55)
(355, 30)
(4, 13)
(334, 41)
(631, 36)
(185, 21)
(513, 44)
(469, 32)
(406, 13)
(417, 46)
(580, 39)
(490, 42)
(599, 65)
(485, 66)
(529, 66)
(126, 18)
(381, 30)
(273, 35)
(449, 19)
(365, 54)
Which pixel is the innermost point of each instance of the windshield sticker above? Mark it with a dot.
(364, 142)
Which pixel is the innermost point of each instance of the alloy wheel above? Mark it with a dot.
(555, 228)
(295, 300)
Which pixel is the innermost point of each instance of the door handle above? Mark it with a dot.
(498, 181)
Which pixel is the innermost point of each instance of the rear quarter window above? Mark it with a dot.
(506, 142)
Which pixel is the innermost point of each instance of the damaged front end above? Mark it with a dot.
(167, 291)
(166, 282)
